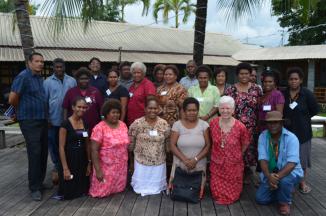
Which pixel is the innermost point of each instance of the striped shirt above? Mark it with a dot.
(32, 100)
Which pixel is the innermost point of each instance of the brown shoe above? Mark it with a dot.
(284, 209)
(55, 178)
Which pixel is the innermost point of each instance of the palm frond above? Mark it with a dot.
(64, 11)
(236, 9)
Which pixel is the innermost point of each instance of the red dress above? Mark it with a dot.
(226, 165)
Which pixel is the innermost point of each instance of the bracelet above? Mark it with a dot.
(196, 159)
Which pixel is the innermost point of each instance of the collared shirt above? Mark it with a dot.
(55, 91)
(136, 104)
(32, 100)
(149, 142)
(187, 82)
(207, 99)
(300, 117)
(99, 82)
(126, 83)
(288, 151)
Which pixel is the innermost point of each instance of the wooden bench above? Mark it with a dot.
(7, 129)
(320, 122)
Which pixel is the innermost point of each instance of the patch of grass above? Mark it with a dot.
(322, 114)
(317, 132)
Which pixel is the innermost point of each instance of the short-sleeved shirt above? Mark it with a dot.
(92, 115)
(207, 99)
(32, 99)
(269, 103)
(126, 83)
(288, 151)
(300, 117)
(99, 82)
(113, 143)
(149, 142)
(55, 90)
(187, 82)
(170, 101)
(190, 142)
(118, 93)
(136, 104)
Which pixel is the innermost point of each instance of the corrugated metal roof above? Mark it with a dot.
(111, 36)
(282, 53)
(16, 54)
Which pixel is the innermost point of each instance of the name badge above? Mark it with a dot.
(267, 108)
(108, 92)
(85, 134)
(293, 105)
(200, 99)
(88, 100)
(131, 94)
(164, 93)
(153, 133)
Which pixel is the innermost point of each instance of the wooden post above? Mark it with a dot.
(2, 139)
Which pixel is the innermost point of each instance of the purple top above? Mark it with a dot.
(269, 103)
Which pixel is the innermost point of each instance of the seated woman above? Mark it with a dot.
(74, 154)
(190, 142)
(109, 152)
(230, 141)
(117, 91)
(149, 136)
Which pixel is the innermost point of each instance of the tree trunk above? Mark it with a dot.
(200, 28)
(24, 27)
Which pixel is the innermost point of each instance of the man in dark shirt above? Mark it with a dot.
(125, 75)
(98, 79)
(28, 97)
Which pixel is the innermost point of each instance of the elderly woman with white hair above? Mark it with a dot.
(230, 140)
(138, 92)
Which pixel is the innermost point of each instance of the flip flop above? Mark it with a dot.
(284, 209)
(305, 189)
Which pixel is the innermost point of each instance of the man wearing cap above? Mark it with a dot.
(278, 154)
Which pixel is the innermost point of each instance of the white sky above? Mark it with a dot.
(262, 29)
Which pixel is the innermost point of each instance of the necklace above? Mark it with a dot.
(224, 133)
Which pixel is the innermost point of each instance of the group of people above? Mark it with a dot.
(94, 123)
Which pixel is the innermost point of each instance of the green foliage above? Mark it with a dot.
(109, 12)
(64, 11)
(177, 7)
(306, 24)
(8, 6)
(234, 10)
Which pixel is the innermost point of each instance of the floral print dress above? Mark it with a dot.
(246, 111)
(113, 157)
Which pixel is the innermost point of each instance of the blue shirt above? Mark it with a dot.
(55, 91)
(99, 82)
(187, 82)
(32, 100)
(288, 151)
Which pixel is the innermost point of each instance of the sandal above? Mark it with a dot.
(284, 209)
(304, 189)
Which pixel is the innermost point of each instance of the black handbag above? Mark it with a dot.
(186, 186)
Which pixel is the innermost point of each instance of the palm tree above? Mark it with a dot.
(233, 11)
(123, 3)
(24, 26)
(175, 6)
(86, 9)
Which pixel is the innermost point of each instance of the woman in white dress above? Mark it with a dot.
(149, 136)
